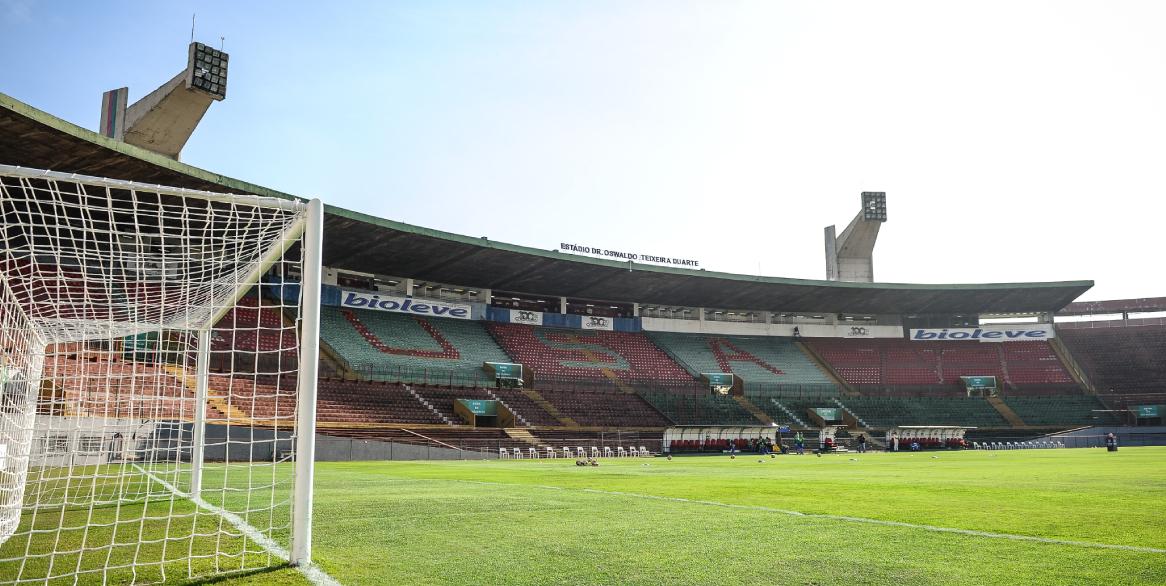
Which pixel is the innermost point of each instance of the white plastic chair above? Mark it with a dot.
(644, 452)
(606, 452)
(517, 453)
(622, 453)
(533, 454)
(594, 452)
(503, 454)
(566, 452)
(580, 452)
(551, 452)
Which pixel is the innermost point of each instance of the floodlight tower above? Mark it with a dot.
(850, 257)
(164, 119)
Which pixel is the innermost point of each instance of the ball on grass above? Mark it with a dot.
(732, 457)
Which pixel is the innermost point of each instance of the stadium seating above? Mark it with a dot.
(605, 409)
(1124, 360)
(884, 412)
(700, 409)
(579, 354)
(368, 402)
(905, 363)
(755, 359)
(397, 347)
(1061, 410)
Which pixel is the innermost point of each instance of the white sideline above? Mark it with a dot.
(313, 573)
(935, 528)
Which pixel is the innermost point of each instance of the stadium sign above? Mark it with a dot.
(408, 305)
(594, 322)
(985, 334)
(522, 316)
(635, 257)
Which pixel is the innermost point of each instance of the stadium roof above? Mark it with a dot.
(359, 242)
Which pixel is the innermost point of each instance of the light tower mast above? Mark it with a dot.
(850, 257)
(163, 120)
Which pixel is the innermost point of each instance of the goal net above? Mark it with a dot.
(158, 352)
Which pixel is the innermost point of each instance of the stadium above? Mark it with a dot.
(206, 380)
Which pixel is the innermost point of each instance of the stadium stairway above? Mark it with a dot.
(522, 435)
(214, 398)
(1006, 412)
(748, 405)
(547, 406)
(826, 369)
(1072, 365)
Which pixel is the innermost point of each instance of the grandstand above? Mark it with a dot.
(395, 372)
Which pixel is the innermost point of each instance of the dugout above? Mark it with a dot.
(717, 438)
(929, 437)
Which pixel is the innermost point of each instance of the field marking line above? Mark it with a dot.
(827, 516)
(313, 573)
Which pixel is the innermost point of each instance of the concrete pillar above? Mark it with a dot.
(635, 310)
(700, 312)
(408, 287)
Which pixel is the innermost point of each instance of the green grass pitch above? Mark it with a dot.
(712, 520)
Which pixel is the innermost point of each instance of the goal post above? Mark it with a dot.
(158, 362)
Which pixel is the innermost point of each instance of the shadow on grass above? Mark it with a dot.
(237, 575)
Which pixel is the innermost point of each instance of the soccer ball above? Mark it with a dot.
(732, 457)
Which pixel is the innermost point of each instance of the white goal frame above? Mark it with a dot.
(307, 231)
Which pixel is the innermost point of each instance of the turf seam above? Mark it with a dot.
(845, 518)
(313, 573)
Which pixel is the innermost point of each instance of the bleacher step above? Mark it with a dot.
(539, 400)
(753, 410)
(1006, 412)
(522, 435)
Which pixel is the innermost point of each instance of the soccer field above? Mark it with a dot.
(706, 520)
(1015, 517)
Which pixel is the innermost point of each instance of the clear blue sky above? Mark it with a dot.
(1016, 140)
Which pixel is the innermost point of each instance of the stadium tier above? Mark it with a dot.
(1123, 360)
(768, 361)
(392, 346)
(906, 363)
(597, 355)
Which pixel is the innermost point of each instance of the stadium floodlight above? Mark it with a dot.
(158, 381)
(874, 206)
(206, 70)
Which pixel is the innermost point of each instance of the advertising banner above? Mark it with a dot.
(1028, 333)
(424, 307)
(522, 316)
(594, 322)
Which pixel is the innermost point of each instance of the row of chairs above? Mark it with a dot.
(579, 452)
(1032, 445)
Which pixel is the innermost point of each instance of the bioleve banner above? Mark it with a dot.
(986, 333)
(522, 316)
(429, 307)
(594, 322)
